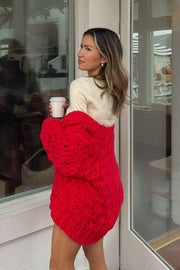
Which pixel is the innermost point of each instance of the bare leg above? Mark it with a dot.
(95, 255)
(63, 251)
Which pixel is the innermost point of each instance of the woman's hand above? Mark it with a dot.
(65, 106)
(50, 109)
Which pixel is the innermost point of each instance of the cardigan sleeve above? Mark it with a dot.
(50, 133)
(67, 147)
(74, 151)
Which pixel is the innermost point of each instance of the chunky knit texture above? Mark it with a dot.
(87, 192)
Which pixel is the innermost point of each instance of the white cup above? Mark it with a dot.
(57, 106)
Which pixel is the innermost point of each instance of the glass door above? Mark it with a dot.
(154, 148)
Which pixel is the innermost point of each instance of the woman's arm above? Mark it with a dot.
(50, 133)
(68, 146)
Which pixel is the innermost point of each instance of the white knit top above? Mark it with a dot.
(85, 96)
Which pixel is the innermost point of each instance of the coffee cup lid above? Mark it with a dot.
(57, 99)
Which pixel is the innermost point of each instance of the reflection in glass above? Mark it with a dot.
(33, 67)
(154, 209)
(162, 67)
(161, 8)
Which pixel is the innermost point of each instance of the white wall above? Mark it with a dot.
(89, 14)
(27, 252)
(107, 14)
(93, 13)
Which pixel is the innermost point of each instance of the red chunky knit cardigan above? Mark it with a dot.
(87, 192)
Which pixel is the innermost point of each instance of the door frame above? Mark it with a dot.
(134, 252)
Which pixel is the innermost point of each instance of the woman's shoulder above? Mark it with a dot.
(82, 81)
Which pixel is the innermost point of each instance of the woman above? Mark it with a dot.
(87, 192)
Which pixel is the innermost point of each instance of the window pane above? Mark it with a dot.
(156, 72)
(162, 86)
(34, 46)
(161, 8)
(155, 127)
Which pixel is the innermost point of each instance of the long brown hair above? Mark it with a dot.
(113, 72)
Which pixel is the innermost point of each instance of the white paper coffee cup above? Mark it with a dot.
(57, 106)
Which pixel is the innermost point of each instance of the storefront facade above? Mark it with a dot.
(45, 56)
(38, 60)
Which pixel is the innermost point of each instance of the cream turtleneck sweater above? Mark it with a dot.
(85, 96)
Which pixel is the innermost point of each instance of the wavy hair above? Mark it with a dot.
(113, 72)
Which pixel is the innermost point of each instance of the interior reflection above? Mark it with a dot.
(33, 68)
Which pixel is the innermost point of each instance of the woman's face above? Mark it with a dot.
(89, 58)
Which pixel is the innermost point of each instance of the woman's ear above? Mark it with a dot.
(103, 60)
